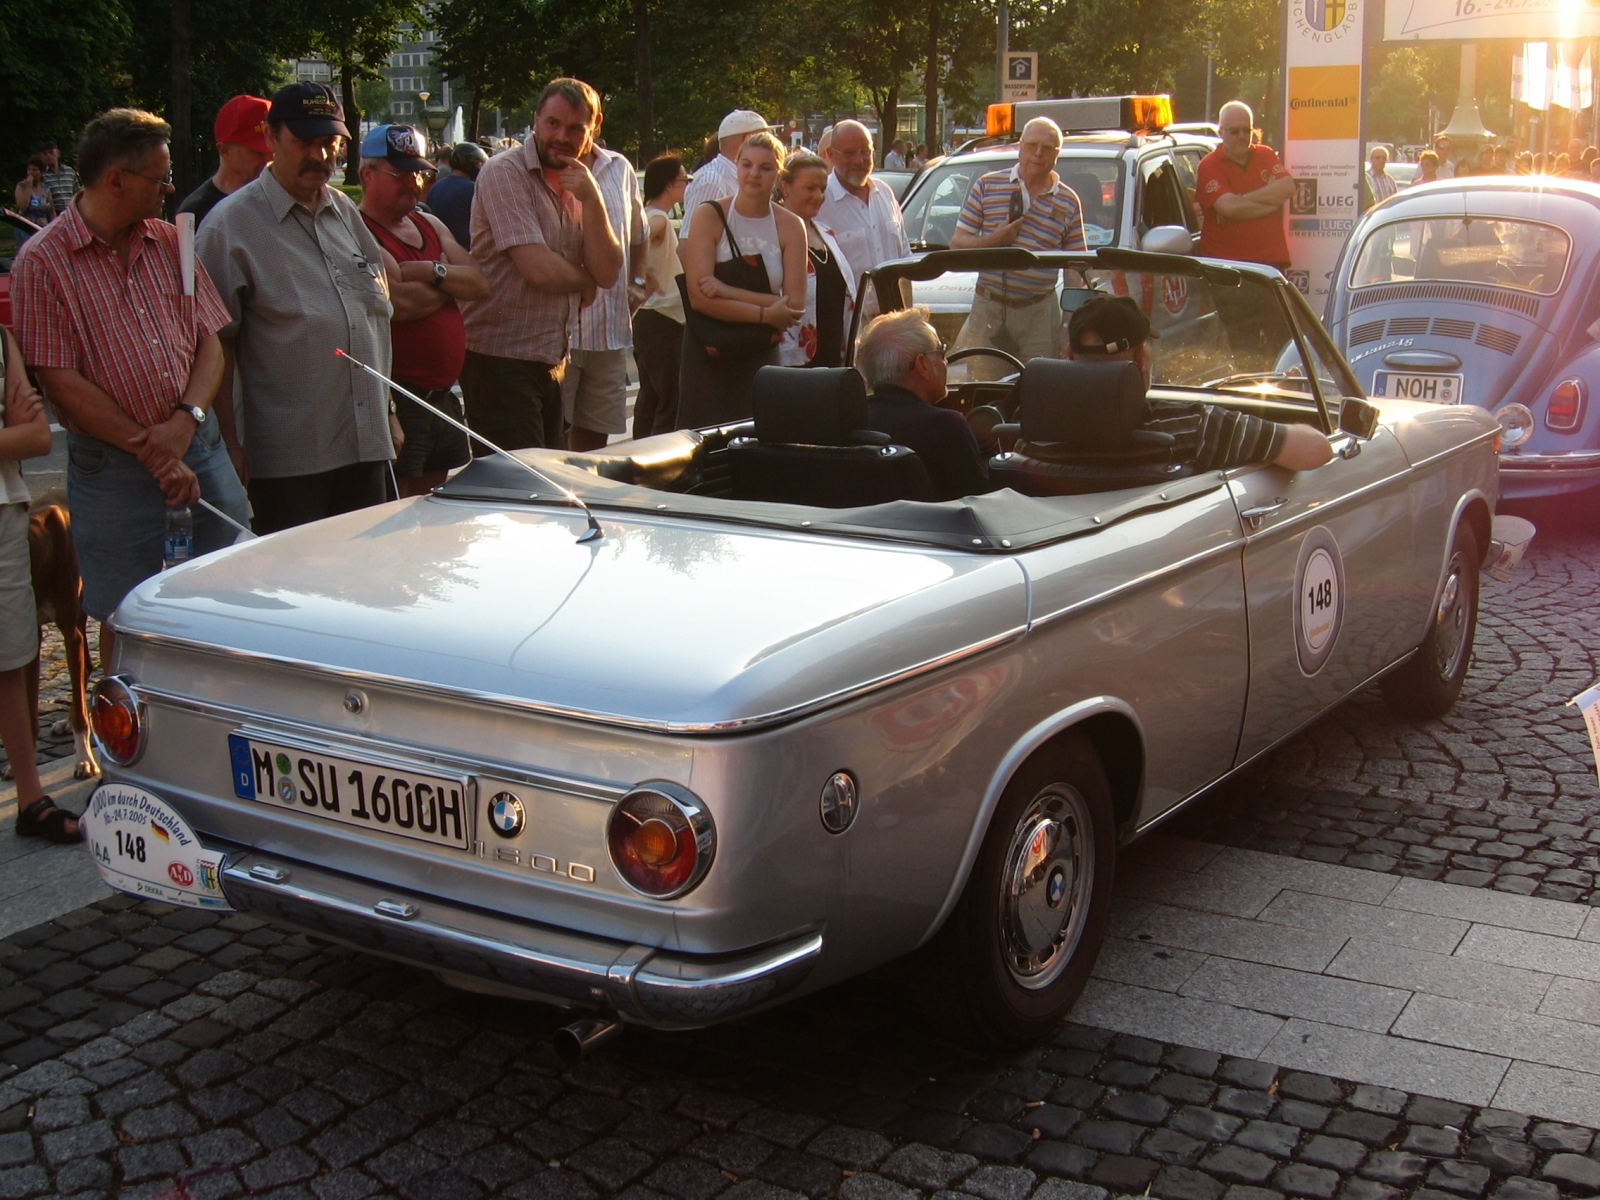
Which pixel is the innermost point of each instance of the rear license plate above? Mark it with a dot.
(1418, 385)
(388, 798)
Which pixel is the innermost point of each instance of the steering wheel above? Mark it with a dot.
(969, 351)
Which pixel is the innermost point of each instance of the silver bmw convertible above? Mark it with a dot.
(694, 725)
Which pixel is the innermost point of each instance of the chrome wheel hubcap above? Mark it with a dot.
(1450, 621)
(1046, 885)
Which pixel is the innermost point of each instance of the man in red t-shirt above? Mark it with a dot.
(428, 272)
(1242, 188)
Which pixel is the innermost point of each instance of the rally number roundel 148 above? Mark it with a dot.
(1318, 599)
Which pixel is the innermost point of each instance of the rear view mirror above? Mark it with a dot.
(1358, 418)
(1072, 298)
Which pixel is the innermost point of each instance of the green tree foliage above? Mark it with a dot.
(59, 65)
(356, 37)
(1405, 80)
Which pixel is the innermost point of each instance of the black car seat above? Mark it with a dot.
(812, 445)
(1080, 431)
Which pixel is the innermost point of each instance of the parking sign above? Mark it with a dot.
(1022, 76)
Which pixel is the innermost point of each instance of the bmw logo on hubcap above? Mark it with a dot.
(506, 814)
(1056, 888)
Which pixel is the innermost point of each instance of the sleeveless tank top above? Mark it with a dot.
(428, 354)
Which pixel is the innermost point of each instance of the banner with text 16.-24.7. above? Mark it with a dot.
(1322, 144)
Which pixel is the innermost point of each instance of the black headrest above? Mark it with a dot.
(809, 406)
(1092, 406)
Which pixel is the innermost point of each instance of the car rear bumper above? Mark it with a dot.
(1526, 475)
(640, 983)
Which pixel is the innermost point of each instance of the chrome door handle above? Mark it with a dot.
(1255, 516)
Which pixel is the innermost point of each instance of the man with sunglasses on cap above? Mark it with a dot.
(303, 277)
(243, 151)
(428, 272)
(1209, 436)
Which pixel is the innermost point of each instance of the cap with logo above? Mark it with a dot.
(310, 110)
(243, 122)
(1118, 320)
(403, 145)
(741, 120)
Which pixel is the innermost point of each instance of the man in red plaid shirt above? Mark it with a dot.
(129, 363)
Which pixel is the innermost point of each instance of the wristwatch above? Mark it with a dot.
(440, 270)
(195, 411)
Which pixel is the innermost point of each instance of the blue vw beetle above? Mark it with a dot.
(1485, 291)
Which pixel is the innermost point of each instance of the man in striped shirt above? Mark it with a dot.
(1380, 183)
(1209, 436)
(61, 179)
(1030, 208)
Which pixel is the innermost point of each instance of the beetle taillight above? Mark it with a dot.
(1564, 413)
(661, 839)
(118, 719)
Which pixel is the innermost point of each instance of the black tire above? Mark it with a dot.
(1011, 961)
(1429, 683)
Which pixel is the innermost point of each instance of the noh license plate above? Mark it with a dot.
(1418, 385)
(388, 798)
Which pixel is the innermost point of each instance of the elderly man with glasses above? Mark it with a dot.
(428, 272)
(1242, 187)
(302, 276)
(129, 361)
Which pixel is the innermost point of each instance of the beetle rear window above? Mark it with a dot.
(1526, 255)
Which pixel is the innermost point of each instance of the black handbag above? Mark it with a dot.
(723, 340)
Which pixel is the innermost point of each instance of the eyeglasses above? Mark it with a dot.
(421, 178)
(1236, 129)
(164, 182)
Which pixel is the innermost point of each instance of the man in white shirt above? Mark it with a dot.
(1381, 184)
(861, 210)
(1441, 147)
(720, 176)
(894, 160)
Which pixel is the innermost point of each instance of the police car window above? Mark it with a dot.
(1098, 185)
(1517, 254)
(1162, 203)
(1188, 164)
(930, 215)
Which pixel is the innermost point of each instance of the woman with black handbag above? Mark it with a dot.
(743, 283)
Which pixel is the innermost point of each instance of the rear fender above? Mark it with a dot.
(1118, 725)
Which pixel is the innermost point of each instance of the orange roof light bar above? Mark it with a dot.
(1084, 114)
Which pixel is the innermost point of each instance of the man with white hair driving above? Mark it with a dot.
(903, 361)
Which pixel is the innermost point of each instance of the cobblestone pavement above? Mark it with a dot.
(155, 1053)
(1502, 793)
(166, 1054)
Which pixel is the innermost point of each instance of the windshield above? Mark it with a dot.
(1205, 333)
(930, 215)
(1518, 254)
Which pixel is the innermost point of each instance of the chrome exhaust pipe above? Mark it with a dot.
(577, 1039)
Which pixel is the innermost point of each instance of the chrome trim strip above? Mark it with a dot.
(1488, 435)
(1576, 460)
(646, 985)
(322, 740)
(521, 704)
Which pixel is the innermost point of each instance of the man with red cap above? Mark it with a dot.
(242, 146)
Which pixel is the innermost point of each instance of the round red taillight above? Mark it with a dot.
(118, 719)
(661, 839)
(1564, 413)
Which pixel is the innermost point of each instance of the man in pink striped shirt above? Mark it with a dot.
(129, 363)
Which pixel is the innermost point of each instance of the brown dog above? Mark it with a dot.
(58, 594)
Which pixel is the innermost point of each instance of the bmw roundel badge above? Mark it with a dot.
(506, 814)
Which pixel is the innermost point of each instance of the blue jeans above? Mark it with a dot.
(119, 514)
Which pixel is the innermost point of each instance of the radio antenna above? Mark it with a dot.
(592, 534)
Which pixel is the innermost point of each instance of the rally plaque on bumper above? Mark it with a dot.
(389, 797)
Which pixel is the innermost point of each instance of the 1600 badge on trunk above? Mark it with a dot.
(389, 797)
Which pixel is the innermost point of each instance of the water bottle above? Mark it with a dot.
(178, 546)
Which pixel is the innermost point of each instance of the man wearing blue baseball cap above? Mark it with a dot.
(303, 277)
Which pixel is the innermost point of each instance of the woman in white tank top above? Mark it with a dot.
(716, 390)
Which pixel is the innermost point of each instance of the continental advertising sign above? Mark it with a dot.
(1322, 69)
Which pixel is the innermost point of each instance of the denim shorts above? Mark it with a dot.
(119, 514)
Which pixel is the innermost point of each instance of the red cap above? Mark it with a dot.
(243, 121)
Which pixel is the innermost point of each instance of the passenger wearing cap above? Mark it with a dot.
(303, 278)
(428, 272)
(861, 210)
(242, 150)
(720, 176)
(1209, 436)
